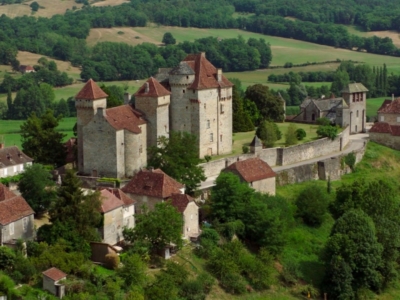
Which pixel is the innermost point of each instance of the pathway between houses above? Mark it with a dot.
(356, 142)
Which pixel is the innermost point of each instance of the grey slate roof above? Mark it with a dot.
(305, 103)
(354, 88)
(328, 104)
(182, 69)
(163, 75)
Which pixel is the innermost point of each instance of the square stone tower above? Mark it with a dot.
(87, 101)
(201, 103)
(355, 95)
(152, 99)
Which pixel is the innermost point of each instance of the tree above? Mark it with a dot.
(327, 131)
(37, 187)
(352, 250)
(312, 204)
(300, 134)
(178, 157)
(269, 105)
(159, 227)
(47, 94)
(41, 141)
(3, 111)
(115, 95)
(10, 112)
(168, 39)
(266, 132)
(241, 120)
(133, 271)
(290, 135)
(34, 6)
(340, 81)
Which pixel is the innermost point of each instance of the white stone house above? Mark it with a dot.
(51, 282)
(12, 161)
(16, 217)
(190, 213)
(118, 212)
(256, 172)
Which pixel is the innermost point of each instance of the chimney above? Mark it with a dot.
(1, 145)
(146, 87)
(392, 97)
(203, 54)
(151, 169)
(219, 75)
(127, 98)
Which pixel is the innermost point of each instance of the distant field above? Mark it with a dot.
(394, 35)
(10, 130)
(373, 105)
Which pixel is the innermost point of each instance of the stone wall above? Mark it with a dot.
(385, 139)
(284, 156)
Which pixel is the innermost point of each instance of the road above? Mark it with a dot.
(356, 142)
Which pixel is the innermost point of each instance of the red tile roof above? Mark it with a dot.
(205, 73)
(152, 183)
(91, 91)
(12, 207)
(390, 107)
(155, 89)
(54, 274)
(125, 117)
(12, 156)
(381, 127)
(395, 130)
(122, 196)
(252, 169)
(109, 201)
(180, 201)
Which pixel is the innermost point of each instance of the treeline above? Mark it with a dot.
(370, 15)
(305, 77)
(118, 61)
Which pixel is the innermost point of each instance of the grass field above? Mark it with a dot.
(394, 35)
(10, 130)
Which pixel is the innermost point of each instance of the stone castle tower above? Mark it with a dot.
(87, 101)
(153, 100)
(355, 95)
(201, 103)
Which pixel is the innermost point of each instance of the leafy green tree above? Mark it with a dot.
(178, 157)
(241, 120)
(266, 132)
(159, 227)
(115, 95)
(37, 187)
(10, 112)
(350, 160)
(28, 101)
(3, 111)
(269, 105)
(168, 39)
(300, 134)
(34, 6)
(312, 204)
(353, 250)
(340, 81)
(47, 94)
(290, 135)
(62, 108)
(327, 131)
(133, 271)
(7, 258)
(41, 141)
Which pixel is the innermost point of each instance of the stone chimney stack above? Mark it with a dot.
(219, 75)
(127, 98)
(146, 88)
(203, 54)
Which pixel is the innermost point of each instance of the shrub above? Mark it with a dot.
(290, 135)
(207, 158)
(350, 160)
(34, 6)
(168, 39)
(300, 134)
(327, 131)
(323, 121)
(245, 149)
(288, 65)
(111, 261)
(266, 132)
(312, 204)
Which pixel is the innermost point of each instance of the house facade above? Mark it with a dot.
(256, 172)
(149, 187)
(190, 214)
(348, 110)
(13, 161)
(16, 217)
(194, 97)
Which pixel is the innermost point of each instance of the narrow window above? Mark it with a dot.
(382, 118)
(357, 113)
(183, 91)
(222, 108)
(398, 119)
(11, 227)
(211, 137)
(140, 149)
(205, 106)
(208, 123)
(220, 138)
(25, 223)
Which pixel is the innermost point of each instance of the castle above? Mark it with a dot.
(194, 97)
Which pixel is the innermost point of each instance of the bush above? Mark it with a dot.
(207, 158)
(288, 65)
(350, 160)
(266, 132)
(34, 6)
(323, 121)
(290, 135)
(300, 134)
(245, 149)
(168, 39)
(111, 261)
(327, 131)
(312, 204)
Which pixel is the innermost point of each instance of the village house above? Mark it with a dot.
(51, 282)
(194, 97)
(13, 161)
(118, 212)
(190, 213)
(16, 217)
(387, 130)
(149, 187)
(26, 69)
(348, 110)
(256, 172)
